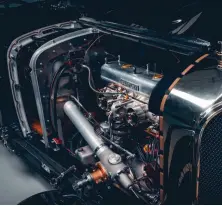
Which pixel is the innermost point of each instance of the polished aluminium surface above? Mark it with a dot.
(12, 53)
(35, 68)
(194, 94)
(115, 169)
(83, 125)
(190, 106)
(133, 78)
(193, 97)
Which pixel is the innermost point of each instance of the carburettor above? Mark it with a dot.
(133, 106)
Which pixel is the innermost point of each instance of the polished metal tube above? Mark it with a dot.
(82, 124)
(111, 161)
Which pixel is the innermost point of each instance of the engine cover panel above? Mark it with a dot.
(134, 78)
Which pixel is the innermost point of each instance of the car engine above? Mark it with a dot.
(100, 98)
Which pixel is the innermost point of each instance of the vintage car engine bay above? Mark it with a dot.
(103, 107)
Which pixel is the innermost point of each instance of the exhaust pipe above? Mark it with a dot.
(111, 161)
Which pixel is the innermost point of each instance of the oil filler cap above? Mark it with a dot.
(114, 159)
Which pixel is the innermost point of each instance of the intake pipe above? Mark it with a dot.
(111, 161)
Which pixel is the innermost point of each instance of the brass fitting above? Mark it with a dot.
(100, 174)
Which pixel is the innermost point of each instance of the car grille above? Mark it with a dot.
(210, 179)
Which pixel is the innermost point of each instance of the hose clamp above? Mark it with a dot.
(99, 148)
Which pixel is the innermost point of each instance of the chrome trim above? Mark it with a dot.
(205, 118)
(33, 66)
(12, 53)
(216, 109)
(207, 112)
(211, 116)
